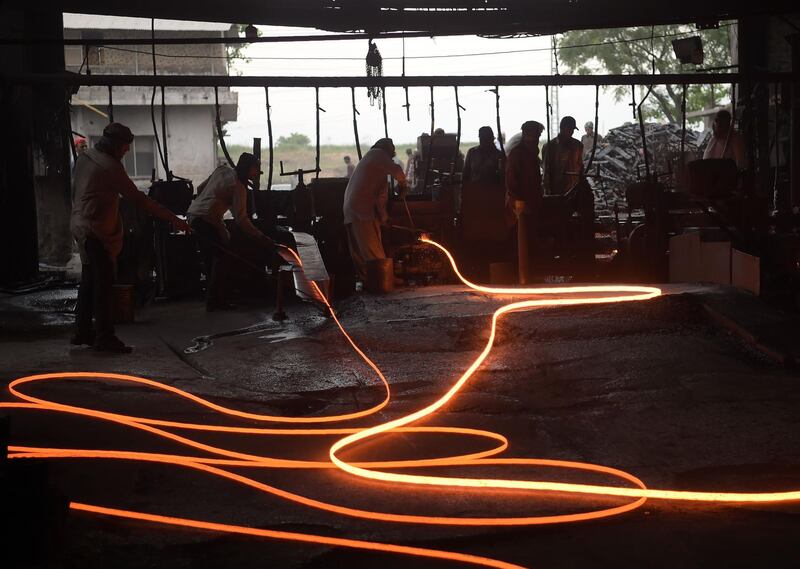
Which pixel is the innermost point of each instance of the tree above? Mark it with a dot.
(294, 139)
(613, 51)
(234, 52)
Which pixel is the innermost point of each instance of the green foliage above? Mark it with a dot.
(294, 139)
(610, 51)
(235, 52)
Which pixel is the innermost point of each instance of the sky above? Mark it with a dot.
(293, 108)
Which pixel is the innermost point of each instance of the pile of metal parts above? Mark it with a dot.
(619, 160)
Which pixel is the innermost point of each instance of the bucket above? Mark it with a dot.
(123, 303)
(380, 276)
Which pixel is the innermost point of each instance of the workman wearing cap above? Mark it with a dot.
(523, 172)
(484, 163)
(365, 203)
(224, 190)
(98, 181)
(588, 138)
(80, 145)
(563, 160)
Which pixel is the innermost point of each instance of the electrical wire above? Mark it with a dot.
(649, 37)
(217, 461)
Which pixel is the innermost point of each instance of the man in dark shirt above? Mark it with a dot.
(563, 160)
(484, 163)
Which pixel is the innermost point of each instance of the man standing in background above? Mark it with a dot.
(484, 163)
(365, 203)
(350, 167)
(563, 160)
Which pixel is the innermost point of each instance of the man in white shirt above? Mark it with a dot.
(224, 190)
(365, 203)
(725, 142)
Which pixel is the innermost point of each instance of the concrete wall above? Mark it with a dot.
(191, 139)
(137, 59)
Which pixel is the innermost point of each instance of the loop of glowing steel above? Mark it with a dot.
(364, 469)
(641, 293)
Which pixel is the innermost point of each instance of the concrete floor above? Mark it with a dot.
(655, 389)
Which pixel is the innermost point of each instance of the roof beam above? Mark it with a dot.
(72, 79)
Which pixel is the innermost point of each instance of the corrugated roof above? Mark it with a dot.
(93, 22)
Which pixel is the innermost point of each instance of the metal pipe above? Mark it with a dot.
(316, 159)
(596, 121)
(220, 136)
(430, 141)
(217, 40)
(269, 136)
(164, 135)
(547, 111)
(644, 133)
(500, 136)
(683, 124)
(73, 79)
(110, 104)
(355, 121)
(385, 118)
(459, 108)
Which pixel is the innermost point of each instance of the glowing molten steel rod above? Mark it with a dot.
(220, 457)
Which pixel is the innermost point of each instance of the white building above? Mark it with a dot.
(191, 115)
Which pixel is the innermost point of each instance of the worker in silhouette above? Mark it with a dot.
(98, 181)
(523, 172)
(348, 162)
(366, 200)
(725, 141)
(588, 138)
(563, 160)
(484, 163)
(224, 190)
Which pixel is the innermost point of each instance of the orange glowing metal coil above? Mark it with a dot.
(220, 457)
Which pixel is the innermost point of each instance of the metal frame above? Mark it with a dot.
(72, 79)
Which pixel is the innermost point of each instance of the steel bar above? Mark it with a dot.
(596, 126)
(271, 171)
(72, 79)
(211, 40)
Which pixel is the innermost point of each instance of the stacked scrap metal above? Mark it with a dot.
(620, 159)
